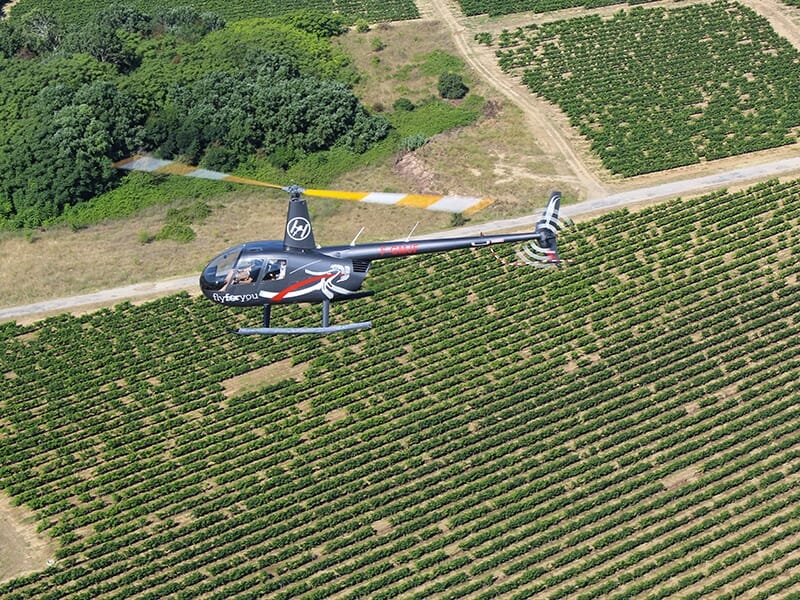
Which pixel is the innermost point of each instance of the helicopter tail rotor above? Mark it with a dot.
(535, 256)
(543, 252)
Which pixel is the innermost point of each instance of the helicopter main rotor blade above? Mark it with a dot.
(150, 164)
(445, 203)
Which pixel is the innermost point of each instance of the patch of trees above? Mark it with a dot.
(61, 155)
(223, 117)
(372, 11)
(179, 83)
(452, 86)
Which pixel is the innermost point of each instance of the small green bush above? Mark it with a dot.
(413, 142)
(178, 232)
(458, 220)
(452, 86)
(403, 104)
(377, 44)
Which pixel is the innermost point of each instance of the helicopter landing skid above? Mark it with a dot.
(302, 330)
(325, 329)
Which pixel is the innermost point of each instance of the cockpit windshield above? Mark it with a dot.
(245, 272)
(216, 273)
(241, 265)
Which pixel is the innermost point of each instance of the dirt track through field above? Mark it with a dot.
(784, 19)
(542, 117)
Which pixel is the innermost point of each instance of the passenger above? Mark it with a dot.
(275, 270)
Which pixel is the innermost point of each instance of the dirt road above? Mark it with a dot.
(545, 121)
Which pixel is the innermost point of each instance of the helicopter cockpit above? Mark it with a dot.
(242, 265)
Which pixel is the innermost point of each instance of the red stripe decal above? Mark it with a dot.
(299, 284)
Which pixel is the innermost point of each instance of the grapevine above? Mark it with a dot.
(624, 425)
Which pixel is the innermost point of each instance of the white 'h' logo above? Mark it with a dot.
(298, 228)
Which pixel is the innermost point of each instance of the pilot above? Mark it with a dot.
(244, 273)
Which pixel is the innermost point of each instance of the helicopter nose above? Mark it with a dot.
(212, 279)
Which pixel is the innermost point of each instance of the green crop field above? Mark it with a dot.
(654, 88)
(233, 10)
(626, 426)
(506, 7)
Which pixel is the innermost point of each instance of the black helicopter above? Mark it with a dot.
(297, 270)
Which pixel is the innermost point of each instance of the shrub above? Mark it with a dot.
(321, 24)
(413, 142)
(377, 44)
(403, 104)
(178, 232)
(451, 86)
(458, 220)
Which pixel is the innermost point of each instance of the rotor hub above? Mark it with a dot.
(295, 191)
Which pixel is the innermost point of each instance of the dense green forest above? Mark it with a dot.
(177, 82)
(231, 10)
(623, 427)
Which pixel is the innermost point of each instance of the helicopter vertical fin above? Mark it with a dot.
(298, 233)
